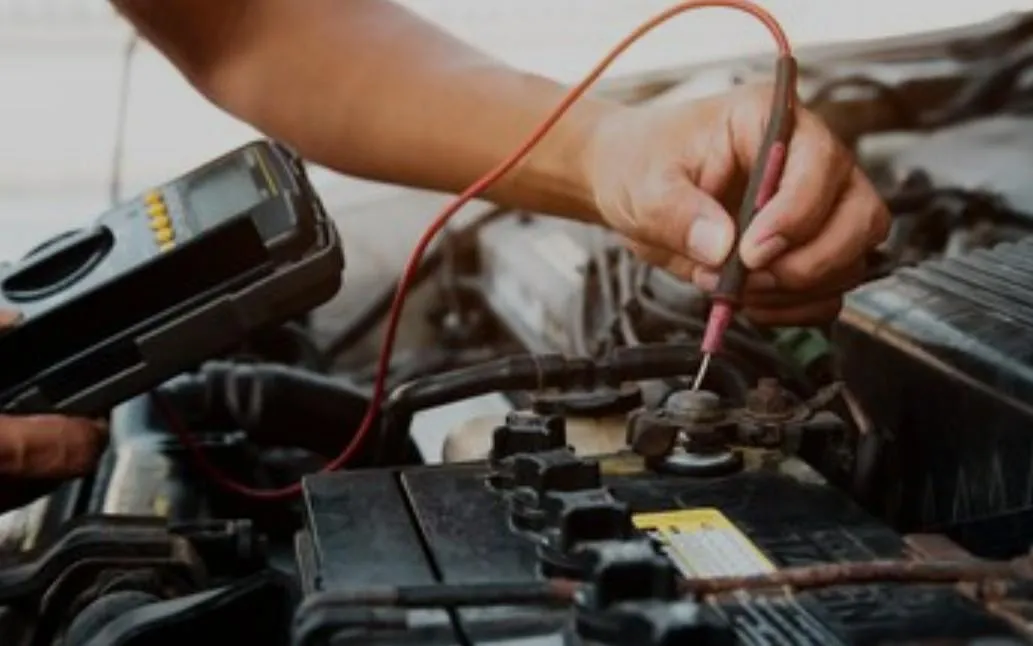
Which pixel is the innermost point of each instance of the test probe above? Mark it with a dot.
(763, 182)
(723, 305)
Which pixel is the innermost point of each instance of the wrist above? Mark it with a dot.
(558, 171)
(581, 151)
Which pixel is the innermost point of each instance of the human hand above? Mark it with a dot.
(667, 176)
(39, 451)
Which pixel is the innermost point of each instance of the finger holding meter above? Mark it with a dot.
(166, 280)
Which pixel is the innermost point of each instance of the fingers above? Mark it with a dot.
(685, 221)
(49, 446)
(806, 246)
(817, 168)
(766, 302)
(859, 222)
(812, 313)
(8, 318)
(837, 283)
(673, 263)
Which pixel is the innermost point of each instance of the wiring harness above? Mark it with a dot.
(413, 264)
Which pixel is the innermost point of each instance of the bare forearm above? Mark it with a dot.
(368, 88)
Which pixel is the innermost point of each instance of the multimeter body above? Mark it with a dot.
(165, 281)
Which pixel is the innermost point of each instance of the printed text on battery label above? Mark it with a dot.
(703, 542)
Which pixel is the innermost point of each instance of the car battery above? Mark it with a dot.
(478, 524)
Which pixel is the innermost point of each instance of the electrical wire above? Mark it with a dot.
(124, 91)
(627, 299)
(656, 308)
(412, 265)
(577, 331)
(604, 273)
(989, 89)
(558, 591)
(886, 93)
(745, 341)
(598, 270)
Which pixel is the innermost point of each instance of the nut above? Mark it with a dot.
(768, 399)
(695, 406)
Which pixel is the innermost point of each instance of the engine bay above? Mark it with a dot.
(558, 385)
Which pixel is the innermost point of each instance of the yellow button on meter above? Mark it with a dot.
(159, 222)
(152, 197)
(156, 210)
(163, 235)
(167, 246)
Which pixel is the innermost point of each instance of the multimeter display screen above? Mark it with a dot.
(221, 192)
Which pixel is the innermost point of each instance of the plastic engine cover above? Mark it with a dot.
(534, 275)
(941, 357)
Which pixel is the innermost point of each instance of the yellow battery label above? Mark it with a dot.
(704, 543)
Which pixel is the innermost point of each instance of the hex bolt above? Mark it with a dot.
(768, 398)
(696, 406)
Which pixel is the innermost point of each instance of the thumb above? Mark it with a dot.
(49, 446)
(689, 222)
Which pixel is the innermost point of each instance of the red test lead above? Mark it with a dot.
(787, 73)
(764, 181)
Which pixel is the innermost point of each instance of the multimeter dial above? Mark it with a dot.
(71, 257)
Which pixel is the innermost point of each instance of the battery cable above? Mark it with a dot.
(413, 263)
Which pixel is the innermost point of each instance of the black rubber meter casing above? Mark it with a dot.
(165, 281)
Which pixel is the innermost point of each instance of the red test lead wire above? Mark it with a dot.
(411, 266)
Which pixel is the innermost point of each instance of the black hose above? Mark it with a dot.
(579, 312)
(413, 364)
(275, 404)
(735, 339)
(988, 90)
(609, 298)
(528, 372)
(311, 355)
(888, 94)
(598, 268)
(627, 299)
(661, 311)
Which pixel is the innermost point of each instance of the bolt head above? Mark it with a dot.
(768, 398)
(699, 405)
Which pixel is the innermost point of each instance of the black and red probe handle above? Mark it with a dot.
(763, 183)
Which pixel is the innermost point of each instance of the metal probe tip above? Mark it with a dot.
(703, 367)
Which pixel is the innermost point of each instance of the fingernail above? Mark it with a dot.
(9, 317)
(764, 251)
(708, 240)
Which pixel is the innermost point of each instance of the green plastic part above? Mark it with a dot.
(803, 345)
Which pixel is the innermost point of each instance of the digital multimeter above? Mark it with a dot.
(165, 281)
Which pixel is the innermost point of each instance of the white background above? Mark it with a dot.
(61, 63)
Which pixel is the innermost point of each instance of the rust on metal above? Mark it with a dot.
(818, 576)
(769, 400)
